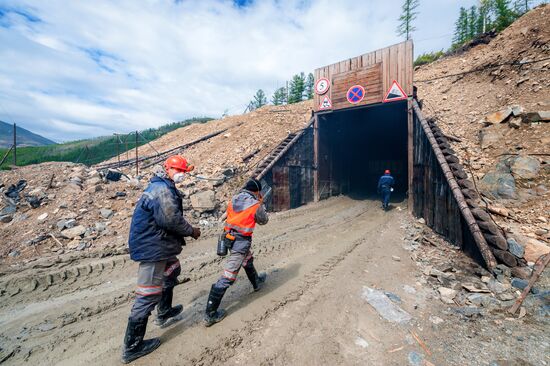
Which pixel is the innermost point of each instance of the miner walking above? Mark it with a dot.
(385, 188)
(245, 210)
(156, 237)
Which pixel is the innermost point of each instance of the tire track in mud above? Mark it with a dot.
(291, 234)
(221, 354)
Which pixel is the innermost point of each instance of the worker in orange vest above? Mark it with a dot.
(243, 212)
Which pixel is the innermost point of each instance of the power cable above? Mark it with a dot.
(486, 67)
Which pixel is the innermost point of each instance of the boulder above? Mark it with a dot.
(515, 122)
(540, 116)
(525, 167)
(497, 287)
(204, 201)
(515, 248)
(517, 110)
(498, 117)
(106, 213)
(447, 294)
(42, 217)
(499, 185)
(6, 218)
(73, 232)
(534, 249)
(490, 136)
(93, 181)
(66, 224)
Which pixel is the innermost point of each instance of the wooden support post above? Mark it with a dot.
(14, 144)
(137, 160)
(541, 264)
(117, 149)
(6, 155)
(410, 147)
(316, 159)
(479, 239)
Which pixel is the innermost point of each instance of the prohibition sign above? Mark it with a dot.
(321, 86)
(355, 94)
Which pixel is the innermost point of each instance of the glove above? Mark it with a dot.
(196, 233)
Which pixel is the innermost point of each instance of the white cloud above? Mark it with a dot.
(125, 65)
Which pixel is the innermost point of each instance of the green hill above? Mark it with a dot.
(24, 137)
(89, 151)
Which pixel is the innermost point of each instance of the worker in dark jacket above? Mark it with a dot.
(385, 188)
(156, 237)
(243, 212)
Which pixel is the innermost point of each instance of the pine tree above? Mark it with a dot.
(309, 86)
(279, 96)
(461, 27)
(472, 23)
(483, 20)
(297, 87)
(259, 100)
(405, 27)
(503, 15)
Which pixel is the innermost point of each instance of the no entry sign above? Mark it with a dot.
(321, 86)
(355, 94)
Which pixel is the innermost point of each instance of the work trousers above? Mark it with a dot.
(386, 193)
(153, 278)
(231, 268)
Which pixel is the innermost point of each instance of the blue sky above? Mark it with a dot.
(76, 69)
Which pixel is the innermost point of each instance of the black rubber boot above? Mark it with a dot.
(134, 345)
(165, 311)
(213, 315)
(257, 280)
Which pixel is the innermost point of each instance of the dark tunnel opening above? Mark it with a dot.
(357, 145)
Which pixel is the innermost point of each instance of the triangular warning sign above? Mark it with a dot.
(395, 93)
(325, 103)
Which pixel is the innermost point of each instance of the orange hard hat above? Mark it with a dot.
(387, 171)
(178, 162)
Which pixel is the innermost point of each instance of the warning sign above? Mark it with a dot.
(321, 86)
(325, 103)
(395, 93)
(355, 94)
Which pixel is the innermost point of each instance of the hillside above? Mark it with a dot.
(508, 157)
(347, 283)
(24, 137)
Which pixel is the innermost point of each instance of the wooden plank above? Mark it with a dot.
(410, 68)
(316, 159)
(410, 154)
(396, 64)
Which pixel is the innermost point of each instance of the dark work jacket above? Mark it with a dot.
(158, 228)
(385, 182)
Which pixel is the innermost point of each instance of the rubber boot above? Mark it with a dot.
(213, 315)
(165, 311)
(134, 345)
(257, 280)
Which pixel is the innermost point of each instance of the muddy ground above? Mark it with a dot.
(319, 258)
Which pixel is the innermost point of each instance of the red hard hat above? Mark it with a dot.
(179, 163)
(387, 171)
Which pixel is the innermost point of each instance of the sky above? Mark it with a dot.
(79, 69)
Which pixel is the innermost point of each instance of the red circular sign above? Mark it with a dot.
(355, 94)
(322, 86)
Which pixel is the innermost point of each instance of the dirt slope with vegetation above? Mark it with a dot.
(494, 102)
(66, 281)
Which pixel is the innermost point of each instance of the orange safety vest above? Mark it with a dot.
(243, 222)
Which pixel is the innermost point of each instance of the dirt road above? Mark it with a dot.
(319, 259)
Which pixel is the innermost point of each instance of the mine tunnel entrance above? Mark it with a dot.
(356, 146)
